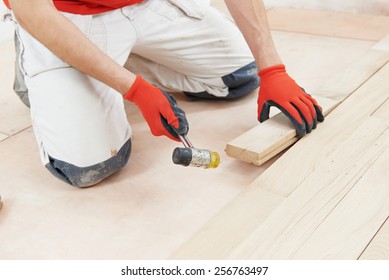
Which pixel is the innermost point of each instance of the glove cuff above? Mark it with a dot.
(272, 69)
(138, 84)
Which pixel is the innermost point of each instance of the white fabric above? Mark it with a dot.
(178, 45)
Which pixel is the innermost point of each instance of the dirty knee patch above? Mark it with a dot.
(90, 175)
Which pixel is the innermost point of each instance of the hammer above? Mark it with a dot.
(191, 156)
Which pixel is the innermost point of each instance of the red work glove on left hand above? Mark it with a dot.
(159, 109)
(279, 90)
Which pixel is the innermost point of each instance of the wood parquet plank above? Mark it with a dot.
(378, 248)
(332, 24)
(288, 228)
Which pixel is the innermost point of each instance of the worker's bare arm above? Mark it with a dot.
(250, 17)
(46, 24)
(277, 87)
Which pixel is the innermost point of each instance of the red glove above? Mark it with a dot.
(279, 90)
(159, 109)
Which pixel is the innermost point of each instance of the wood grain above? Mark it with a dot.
(288, 228)
(365, 208)
(333, 24)
(310, 151)
(378, 248)
(267, 139)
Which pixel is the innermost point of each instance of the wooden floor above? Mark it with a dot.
(153, 209)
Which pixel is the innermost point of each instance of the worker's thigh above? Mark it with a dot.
(190, 46)
(80, 123)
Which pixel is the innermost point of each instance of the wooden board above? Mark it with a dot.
(333, 24)
(231, 226)
(267, 139)
(310, 151)
(289, 227)
(378, 248)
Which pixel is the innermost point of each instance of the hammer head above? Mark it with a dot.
(196, 157)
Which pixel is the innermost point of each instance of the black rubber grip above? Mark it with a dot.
(182, 156)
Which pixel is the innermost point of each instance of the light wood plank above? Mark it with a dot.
(267, 139)
(230, 226)
(333, 24)
(276, 134)
(310, 151)
(382, 45)
(383, 110)
(296, 219)
(349, 228)
(378, 249)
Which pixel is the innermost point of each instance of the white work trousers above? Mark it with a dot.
(177, 45)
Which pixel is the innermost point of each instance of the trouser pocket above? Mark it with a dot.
(194, 9)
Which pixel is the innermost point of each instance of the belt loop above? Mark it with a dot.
(5, 15)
